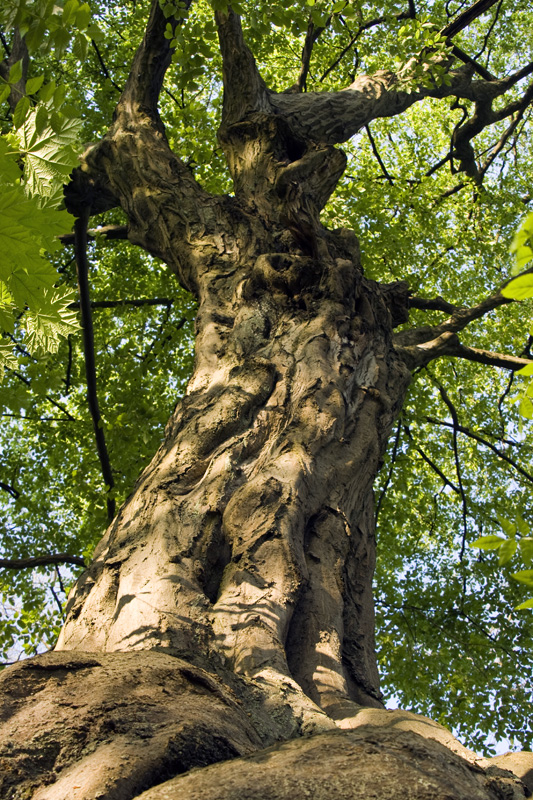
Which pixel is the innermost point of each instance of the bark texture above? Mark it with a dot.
(120, 726)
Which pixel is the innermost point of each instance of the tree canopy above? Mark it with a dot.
(434, 191)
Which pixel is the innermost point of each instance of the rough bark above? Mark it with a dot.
(79, 726)
(229, 605)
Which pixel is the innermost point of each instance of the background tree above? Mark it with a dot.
(247, 544)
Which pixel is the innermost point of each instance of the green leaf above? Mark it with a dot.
(524, 576)
(34, 84)
(21, 110)
(49, 151)
(525, 408)
(5, 91)
(507, 551)
(519, 288)
(490, 542)
(526, 549)
(508, 527)
(527, 370)
(15, 73)
(83, 17)
(526, 604)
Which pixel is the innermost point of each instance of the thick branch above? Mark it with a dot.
(41, 561)
(466, 17)
(82, 267)
(459, 319)
(245, 92)
(448, 344)
(152, 59)
(433, 304)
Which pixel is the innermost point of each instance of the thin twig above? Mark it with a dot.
(391, 468)
(377, 155)
(476, 436)
(82, 268)
(104, 68)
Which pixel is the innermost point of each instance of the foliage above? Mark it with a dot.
(449, 644)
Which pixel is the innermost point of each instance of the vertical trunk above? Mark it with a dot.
(250, 536)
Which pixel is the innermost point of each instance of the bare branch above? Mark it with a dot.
(307, 51)
(448, 344)
(41, 561)
(153, 301)
(481, 439)
(109, 231)
(82, 267)
(459, 319)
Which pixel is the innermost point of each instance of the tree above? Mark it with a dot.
(229, 604)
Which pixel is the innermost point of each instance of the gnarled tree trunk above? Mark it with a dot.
(229, 605)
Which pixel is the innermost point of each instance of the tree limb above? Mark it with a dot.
(472, 435)
(152, 59)
(82, 268)
(466, 17)
(310, 38)
(109, 231)
(41, 561)
(431, 464)
(448, 344)
(434, 304)
(10, 490)
(51, 400)
(245, 92)
(459, 319)
(154, 301)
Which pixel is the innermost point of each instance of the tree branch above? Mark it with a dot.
(41, 561)
(431, 463)
(377, 156)
(152, 59)
(472, 435)
(307, 51)
(459, 319)
(10, 490)
(245, 91)
(104, 68)
(435, 304)
(51, 400)
(466, 17)
(109, 231)
(448, 344)
(155, 301)
(82, 268)
(18, 51)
